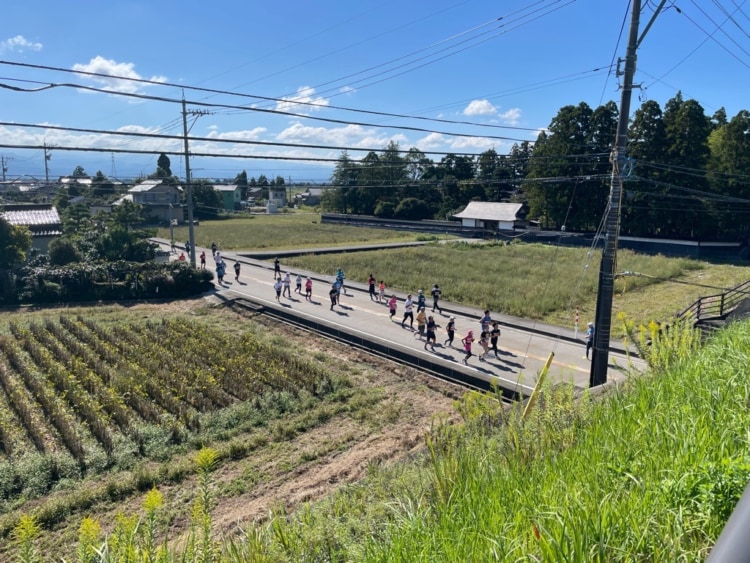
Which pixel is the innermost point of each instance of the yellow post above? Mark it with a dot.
(538, 385)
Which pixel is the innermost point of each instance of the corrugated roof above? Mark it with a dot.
(487, 211)
(225, 187)
(148, 185)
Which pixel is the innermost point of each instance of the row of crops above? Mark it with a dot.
(90, 391)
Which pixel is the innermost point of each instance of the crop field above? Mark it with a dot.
(100, 404)
(95, 396)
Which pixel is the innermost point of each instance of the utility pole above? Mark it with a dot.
(47, 158)
(4, 164)
(603, 319)
(188, 186)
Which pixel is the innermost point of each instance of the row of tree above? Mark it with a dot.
(688, 174)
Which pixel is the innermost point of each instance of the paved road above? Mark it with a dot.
(525, 345)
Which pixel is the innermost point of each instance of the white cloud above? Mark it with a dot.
(302, 101)
(461, 144)
(480, 107)
(511, 117)
(19, 44)
(113, 71)
(431, 142)
(347, 90)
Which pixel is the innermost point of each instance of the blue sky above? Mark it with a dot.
(508, 64)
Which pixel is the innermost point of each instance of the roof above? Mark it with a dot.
(225, 187)
(148, 185)
(41, 219)
(487, 211)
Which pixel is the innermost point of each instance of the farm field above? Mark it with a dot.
(98, 405)
(283, 231)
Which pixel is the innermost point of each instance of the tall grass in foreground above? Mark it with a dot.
(651, 473)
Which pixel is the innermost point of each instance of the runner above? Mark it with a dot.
(420, 301)
(276, 268)
(431, 328)
(308, 289)
(340, 277)
(237, 271)
(277, 288)
(203, 259)
(213, 248)
(392, 304)
(421, 323)
(334, 295)
(287, 281)
(435, 298)
(381, 292)
(451, 330)
(371, 283)
(485, 321)
(484, 344)
(494, 335)
(467, 342)
(408, 312)
(589, 339)
(298, 284)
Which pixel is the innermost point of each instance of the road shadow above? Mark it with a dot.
(341, 313)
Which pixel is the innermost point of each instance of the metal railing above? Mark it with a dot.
(716, 307)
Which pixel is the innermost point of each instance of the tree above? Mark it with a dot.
(15, 242)
(241, 181)
(163, 166)
(75, 218)
(62, 251)
(126, 215)
(79, 172)
(101, 187)
(207, 201)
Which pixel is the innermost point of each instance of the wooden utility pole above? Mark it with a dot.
(4, 164)
(188, 185)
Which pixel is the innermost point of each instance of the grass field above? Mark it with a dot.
(535, 281)
(283, 231)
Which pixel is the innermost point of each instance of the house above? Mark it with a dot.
(492, 216)
(42, 219)
(276, 198)
(161, 200)
(230, 194)
(310, 197)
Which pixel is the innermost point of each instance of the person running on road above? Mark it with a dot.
(392, 305)
(203, 260)
(485, 345)
(589, 339)
(381, 292)
(237, 271)
(334, 295)
(451, 330)
(486, 320)
(308, 289)
(420, 301)
(181, 257)
(408, 312)
(494, 335)
(213, 248)
(217, 258)
(340, 277)
(298, 284)
(431, 328)
(276, 268)
(220, 271)
(337, 286)
(371, 283)
(187, 247)
(287, 281)
(421, 323)
(277, 287)
(435, 298)
(467, 341)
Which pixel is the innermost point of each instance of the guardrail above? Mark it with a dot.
(716, 307)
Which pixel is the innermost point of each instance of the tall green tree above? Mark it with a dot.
(15, 243)
(560, 156)
(163, 166)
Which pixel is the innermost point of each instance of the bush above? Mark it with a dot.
(413, 209)
(107, 281)
(62, 251)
